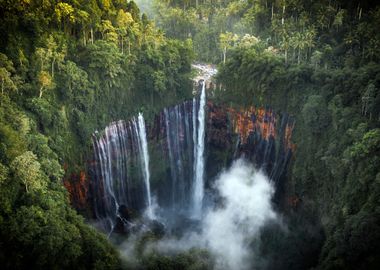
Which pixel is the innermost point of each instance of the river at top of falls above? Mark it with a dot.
(205, 71)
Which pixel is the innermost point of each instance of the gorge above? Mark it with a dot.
(190, 143)
(121, 149)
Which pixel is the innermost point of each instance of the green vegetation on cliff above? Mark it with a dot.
(334, 180)
(301, 31)
(319, 62)
(68, 68)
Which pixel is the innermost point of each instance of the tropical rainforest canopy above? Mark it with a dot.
(70, 68)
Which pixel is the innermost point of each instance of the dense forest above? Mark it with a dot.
(319, 61)
(69, 68)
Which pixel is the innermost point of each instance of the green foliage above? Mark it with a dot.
(299, 31)
(148, 258)
(70, 68)
(335, 170)
(194, 259)
(76, 87)
(38, 143)
(370, 144)
(7, 79)
(315, 114)
(8, 192)
(67, 69)
(26, 168)
(13, 126)
(106, 61)
(43, 110)
(37, 227)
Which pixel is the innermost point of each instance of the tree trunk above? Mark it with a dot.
(41, 92)
(363, 51)
(224, 54)
(84, 38)
(299, 56)
(52, 67)
(151, 99)
(122, 45)
(92, 35)
(42, 63)
(286, 56)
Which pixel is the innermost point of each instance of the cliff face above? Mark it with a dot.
(264, 123)
(78, 187)
(257, 134)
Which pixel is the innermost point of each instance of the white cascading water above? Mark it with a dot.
(199, 162)
(144, 157)
(170, 151)
(194, 133)
(105, 163)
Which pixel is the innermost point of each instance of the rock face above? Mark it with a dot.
(78, 188)
(258, 134)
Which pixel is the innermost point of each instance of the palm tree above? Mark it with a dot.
(309, 39)
(297, 43)
(285, 45)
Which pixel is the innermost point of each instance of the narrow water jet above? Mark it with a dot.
(144, 157)
(199, 162)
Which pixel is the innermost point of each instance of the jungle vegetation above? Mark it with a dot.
(68, 68)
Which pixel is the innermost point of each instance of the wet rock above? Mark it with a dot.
(157, 228)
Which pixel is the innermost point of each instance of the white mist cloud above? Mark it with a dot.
(247, 207)
(228, 230)
(145, 6)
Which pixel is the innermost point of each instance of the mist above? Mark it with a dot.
(230, 228)
(146, 6)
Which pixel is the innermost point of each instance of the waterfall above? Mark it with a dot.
(110, 153)
(144, 159)
(171, 156)
(124, 173)
(117, 152)
(178, 125)
(184, 140)
(198, 189)
(194, 118)
(121, 172)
